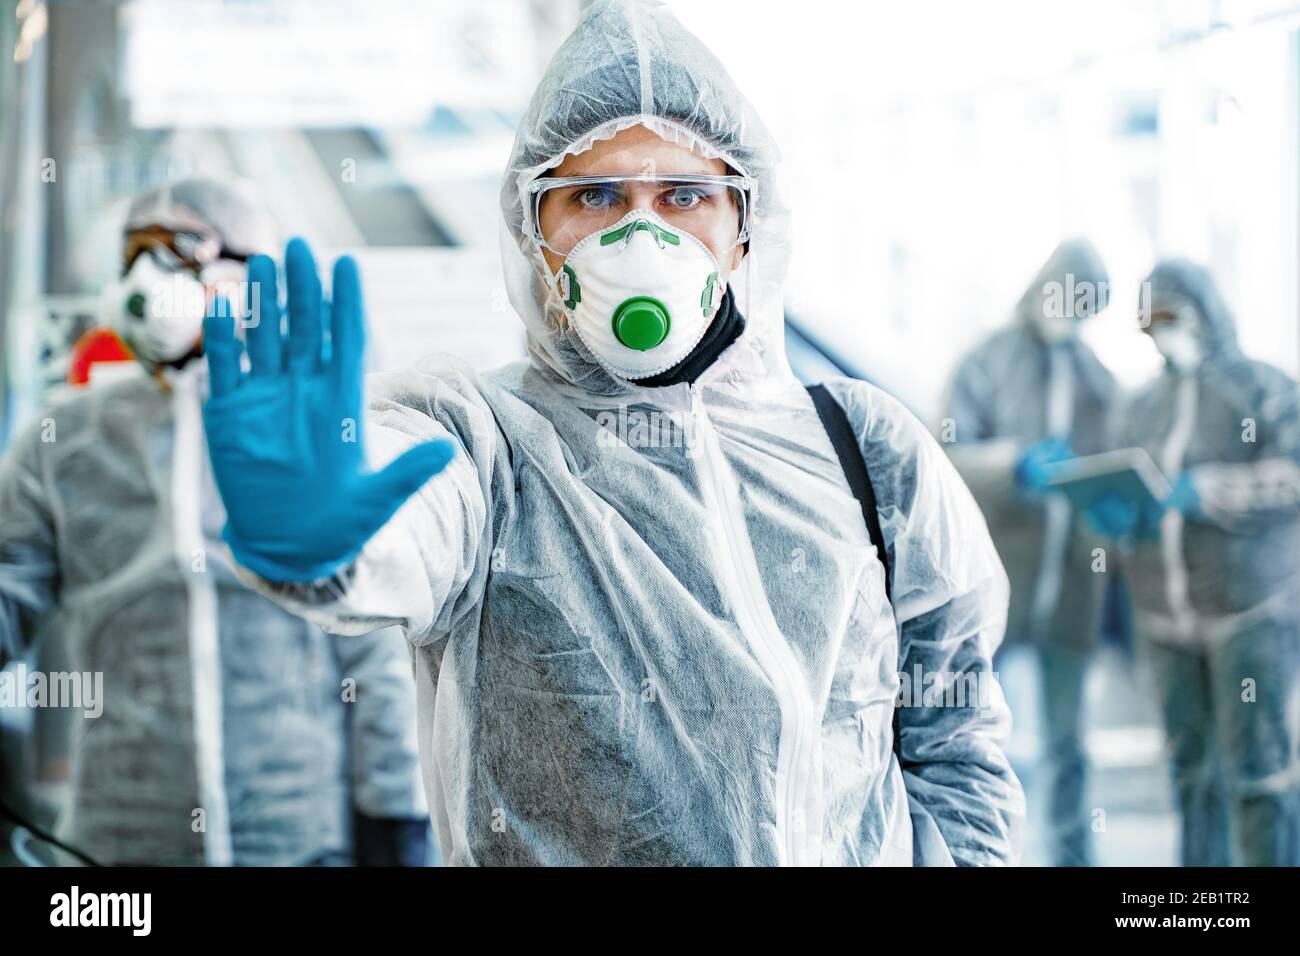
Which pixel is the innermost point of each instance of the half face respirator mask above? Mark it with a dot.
(639, 285)
(157, 307)
(1179, 346)
(1179, 340)
(641, 294)
(156, 312)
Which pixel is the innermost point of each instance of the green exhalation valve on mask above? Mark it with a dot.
(641, 322)
(135, 304)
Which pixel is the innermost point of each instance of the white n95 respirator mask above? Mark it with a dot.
(1179, 344)
(157, 312)
(641, 293)
(1055, 329)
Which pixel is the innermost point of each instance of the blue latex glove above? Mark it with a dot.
(286, 439)
(1031, 470)
(1184, 497)
(1115, 516)
(1112, 515)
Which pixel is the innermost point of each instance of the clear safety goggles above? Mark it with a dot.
(177, 249)
(714, 209)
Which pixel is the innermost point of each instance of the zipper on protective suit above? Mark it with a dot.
(770, 648)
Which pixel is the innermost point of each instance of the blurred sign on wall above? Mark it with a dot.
(325, 63)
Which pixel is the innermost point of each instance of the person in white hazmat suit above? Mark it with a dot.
(1215, 574)
(231, 732)
(1030, 394)
(650, 624)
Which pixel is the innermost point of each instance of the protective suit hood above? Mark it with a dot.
(1180, 282)
(231, 208)
(1072, 264)
(629, 62)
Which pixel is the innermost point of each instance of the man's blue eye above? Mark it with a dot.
(598, 197)
(685, 197)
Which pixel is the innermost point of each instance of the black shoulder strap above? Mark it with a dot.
(849, 453)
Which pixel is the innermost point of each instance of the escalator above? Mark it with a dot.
(386, 210)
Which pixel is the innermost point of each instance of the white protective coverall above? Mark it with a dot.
(650, 624)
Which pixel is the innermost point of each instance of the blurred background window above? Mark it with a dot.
(936, 152)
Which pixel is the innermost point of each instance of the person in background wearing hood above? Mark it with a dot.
(231, 732)
(650, 622)
(1032, 394)
(1215, 574)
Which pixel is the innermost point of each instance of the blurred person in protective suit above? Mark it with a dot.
(231, 732)
(650, 623)
(1215, 574)
(1032, 394)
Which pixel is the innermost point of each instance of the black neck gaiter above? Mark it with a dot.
(725, 328)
